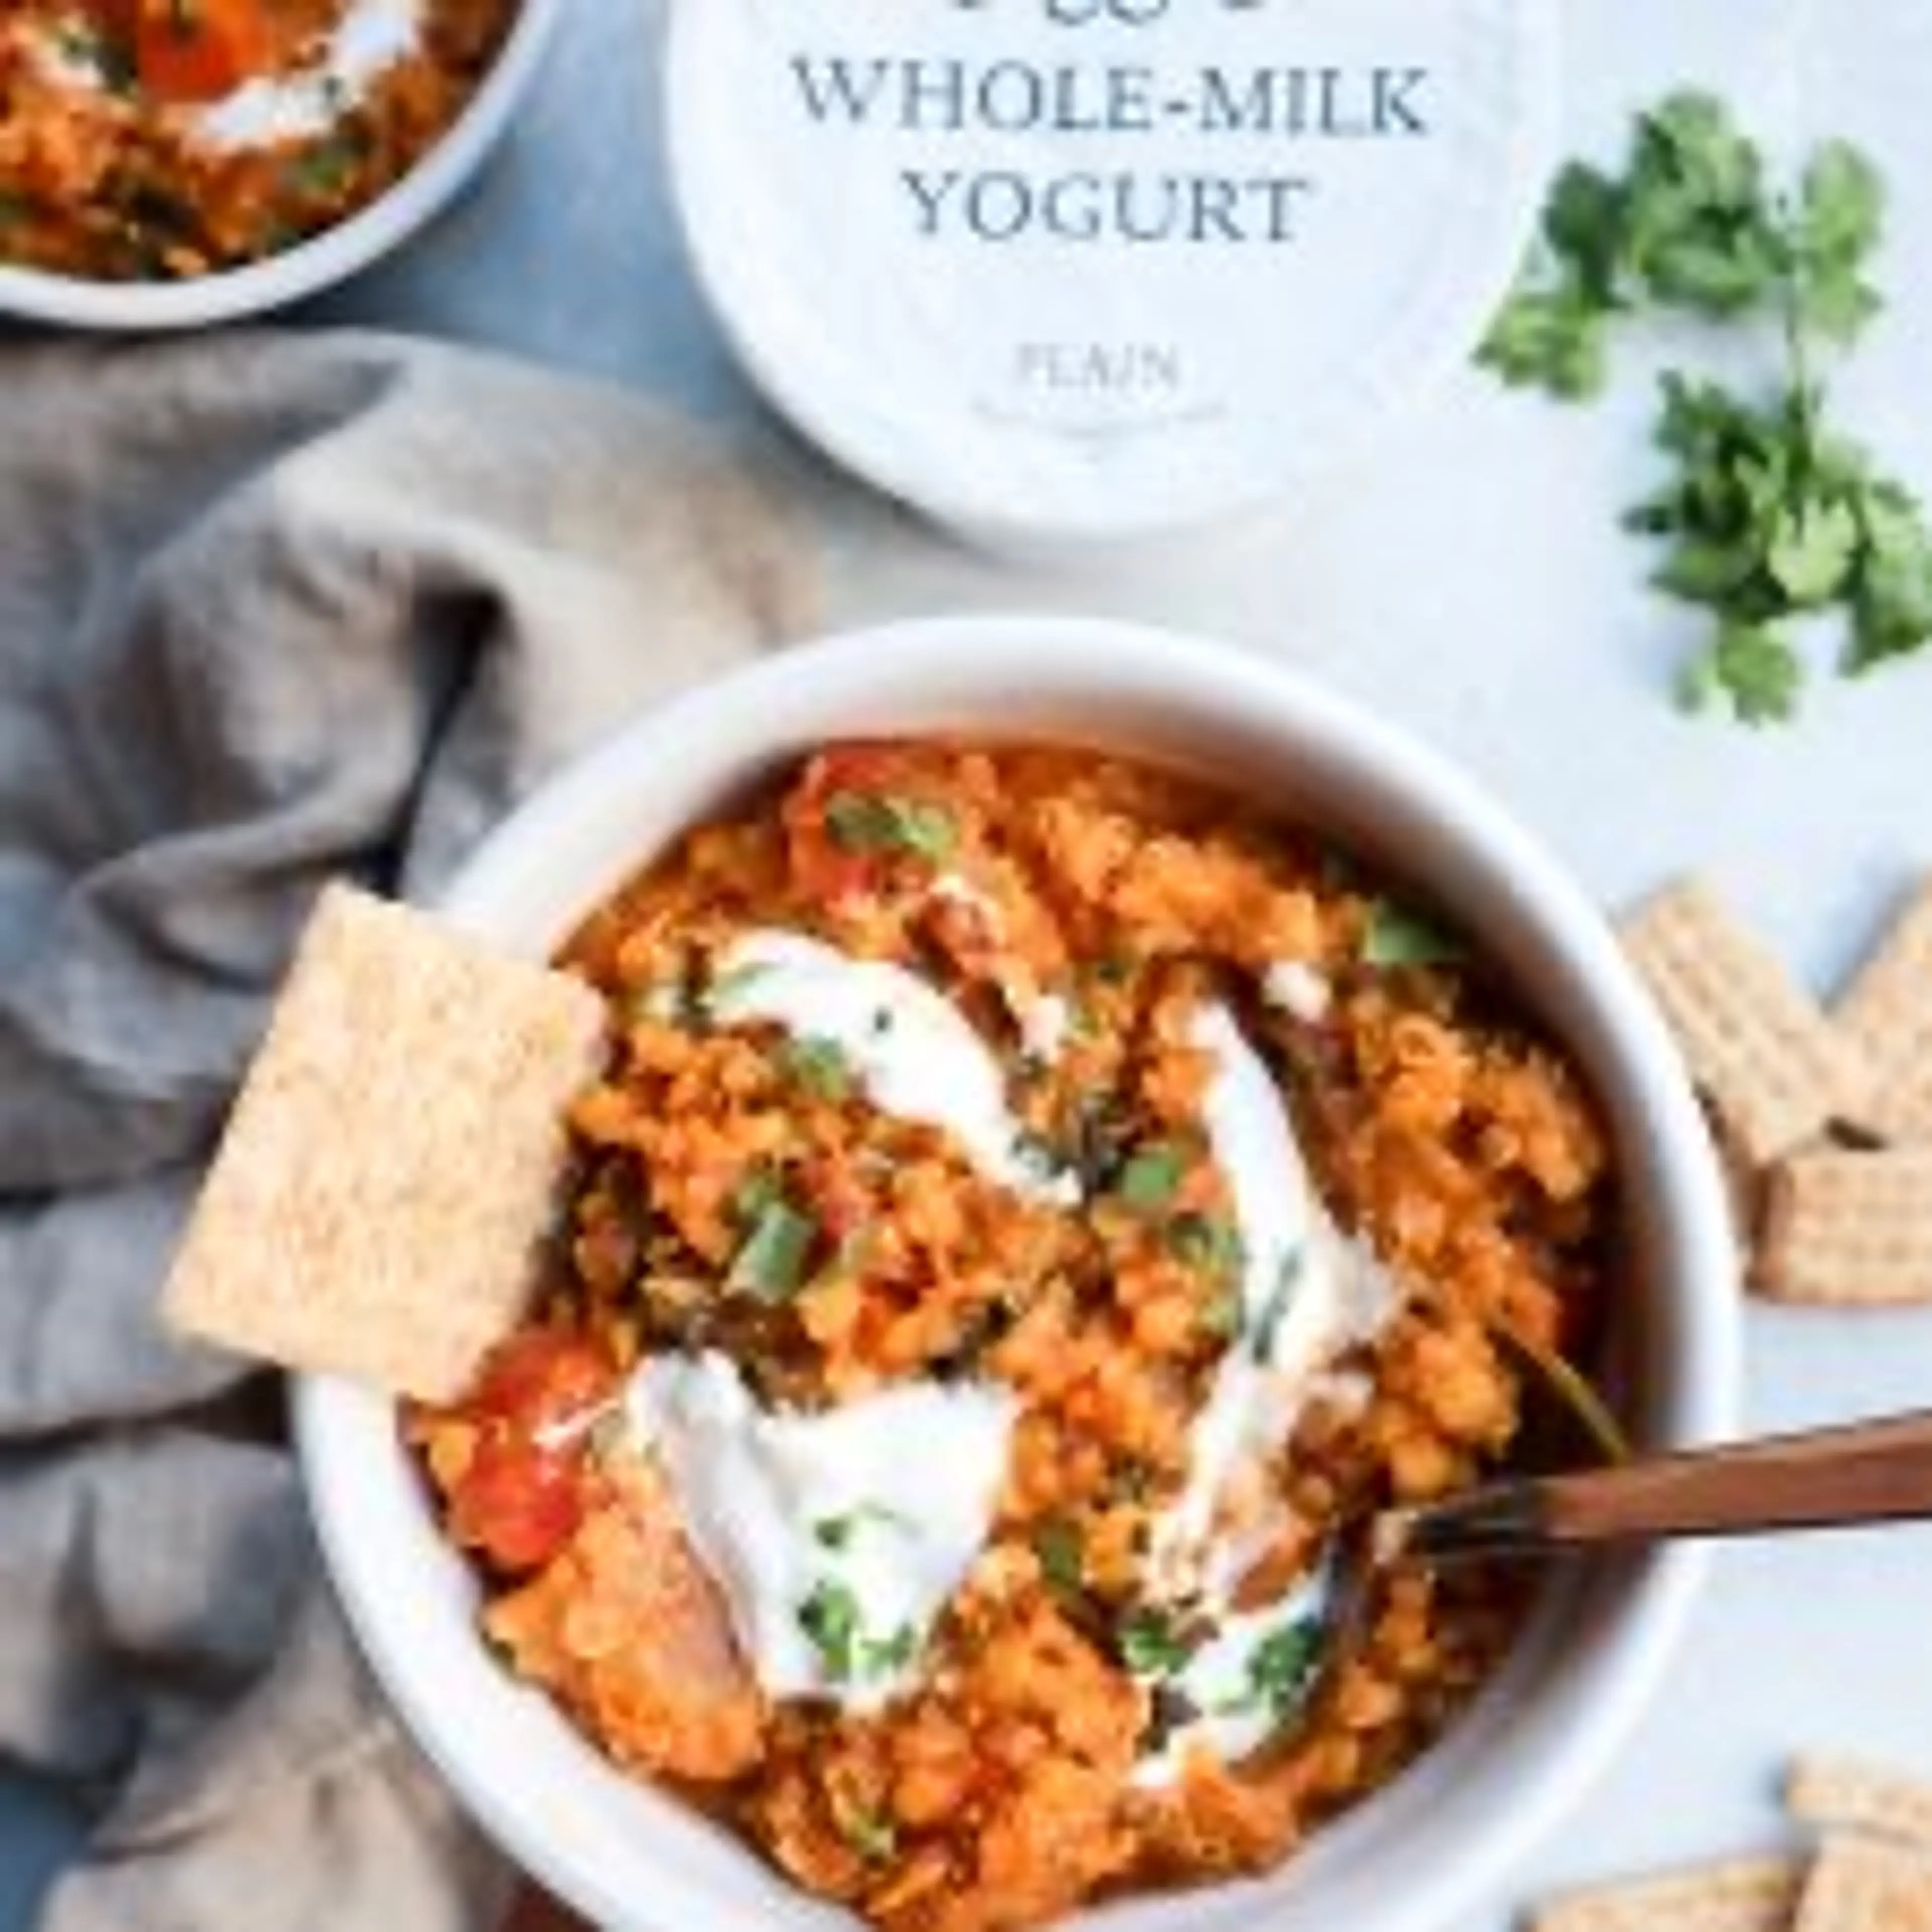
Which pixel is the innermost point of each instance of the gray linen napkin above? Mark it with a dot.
(271, 608)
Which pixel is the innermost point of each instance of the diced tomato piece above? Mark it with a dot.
(194, 50)
(521, 1499)
(541, 1379)
(517, 1504)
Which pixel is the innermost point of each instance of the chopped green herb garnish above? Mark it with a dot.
(328, 166)
(821, 1067)
(1207, 1242)
(1283, 1664)
(1062, 1560)
(1274, 1310)
(1224, 1315)
(1151, 1646)
(882, 1656)
(829, 1617)
(758, 1186)
(770, 1264)
(1397, 936)
(1152, 1176)
(836, 1532)
(883, 822)
(872, 1833)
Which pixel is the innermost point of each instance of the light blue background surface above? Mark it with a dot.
(1470, 582)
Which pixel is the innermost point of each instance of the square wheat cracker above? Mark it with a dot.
(390, 1169)
(1755, 1894)
(1859, 1884)
(1886, 1017)
(1850, 1228)
(1843, 1794)
(1770, 1064)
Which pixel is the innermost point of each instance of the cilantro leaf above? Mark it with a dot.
(1151, 1646)
(1583, 226)
(1062, 1559)
(829, 1617)
(836, 1532)
(881, 1656)
(1813, 549)
(1207, 1242)
(1700, 232)
(820, 1067)
(1283, 1665)
(874, 822)
(1751, 668)
(1397, 936)
(1891, 606)
(1839, 223)
(1152, 1175)
(872, 1832)
(1556, 339)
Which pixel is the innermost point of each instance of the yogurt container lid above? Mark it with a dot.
(1066, 271)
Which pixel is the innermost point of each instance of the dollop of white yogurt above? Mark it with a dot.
(912, 1052)
(372, 37)
(1244, 1683)
(838, 1538)
(1307, 1295)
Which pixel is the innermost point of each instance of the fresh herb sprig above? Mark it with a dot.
(1768, 513)
(831, 1617)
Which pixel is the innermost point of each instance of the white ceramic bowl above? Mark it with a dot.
(438, 177)
(635, 1860)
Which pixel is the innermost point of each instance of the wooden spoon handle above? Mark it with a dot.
(1872, 1472)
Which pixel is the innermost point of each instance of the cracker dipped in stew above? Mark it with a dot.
(161, 139)
(1030, 1204)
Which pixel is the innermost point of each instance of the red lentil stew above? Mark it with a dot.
(162, 139)
(1032, 1203)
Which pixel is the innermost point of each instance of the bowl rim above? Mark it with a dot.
(343, 1433)
(375, 230)
(1444, 333)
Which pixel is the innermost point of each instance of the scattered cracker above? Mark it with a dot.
(1771, 1065)
(391, 1165)
(1887, 1018)
(1843, 1794)
(1850, 1229)
(1858, 1885)
(1755, 1894)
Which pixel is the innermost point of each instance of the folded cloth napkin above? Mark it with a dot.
(270, 609)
